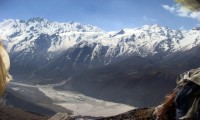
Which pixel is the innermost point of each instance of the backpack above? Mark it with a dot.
(187, 102)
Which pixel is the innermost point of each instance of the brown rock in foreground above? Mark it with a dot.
(137, 114)
(7, 113)
(61, 116)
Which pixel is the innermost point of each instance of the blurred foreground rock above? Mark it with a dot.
(7, 113)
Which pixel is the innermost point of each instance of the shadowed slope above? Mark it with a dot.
(137, 81)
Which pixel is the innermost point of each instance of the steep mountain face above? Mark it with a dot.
(73, 61)
(36, 44)
(138, 81)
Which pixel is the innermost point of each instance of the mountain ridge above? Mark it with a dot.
(35, 43)
(116, 65)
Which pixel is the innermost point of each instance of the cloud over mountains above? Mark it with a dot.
(182, 12)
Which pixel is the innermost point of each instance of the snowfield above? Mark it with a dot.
(38, 41)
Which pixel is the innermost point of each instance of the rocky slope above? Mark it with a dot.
(137, 114)
(7, 113)
(135, 80)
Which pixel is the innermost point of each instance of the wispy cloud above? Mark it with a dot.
(167, 7)
(182, 11)
(150, 19)
(182, 28)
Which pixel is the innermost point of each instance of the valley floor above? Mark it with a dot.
(59, 100)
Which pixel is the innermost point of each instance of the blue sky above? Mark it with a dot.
(106, 14)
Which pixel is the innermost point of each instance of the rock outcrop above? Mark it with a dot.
(7, 113)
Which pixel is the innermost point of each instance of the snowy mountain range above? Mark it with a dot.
(125, 66)
(37, 42)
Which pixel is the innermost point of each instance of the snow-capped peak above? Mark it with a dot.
(40, 37)
(36, 19)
